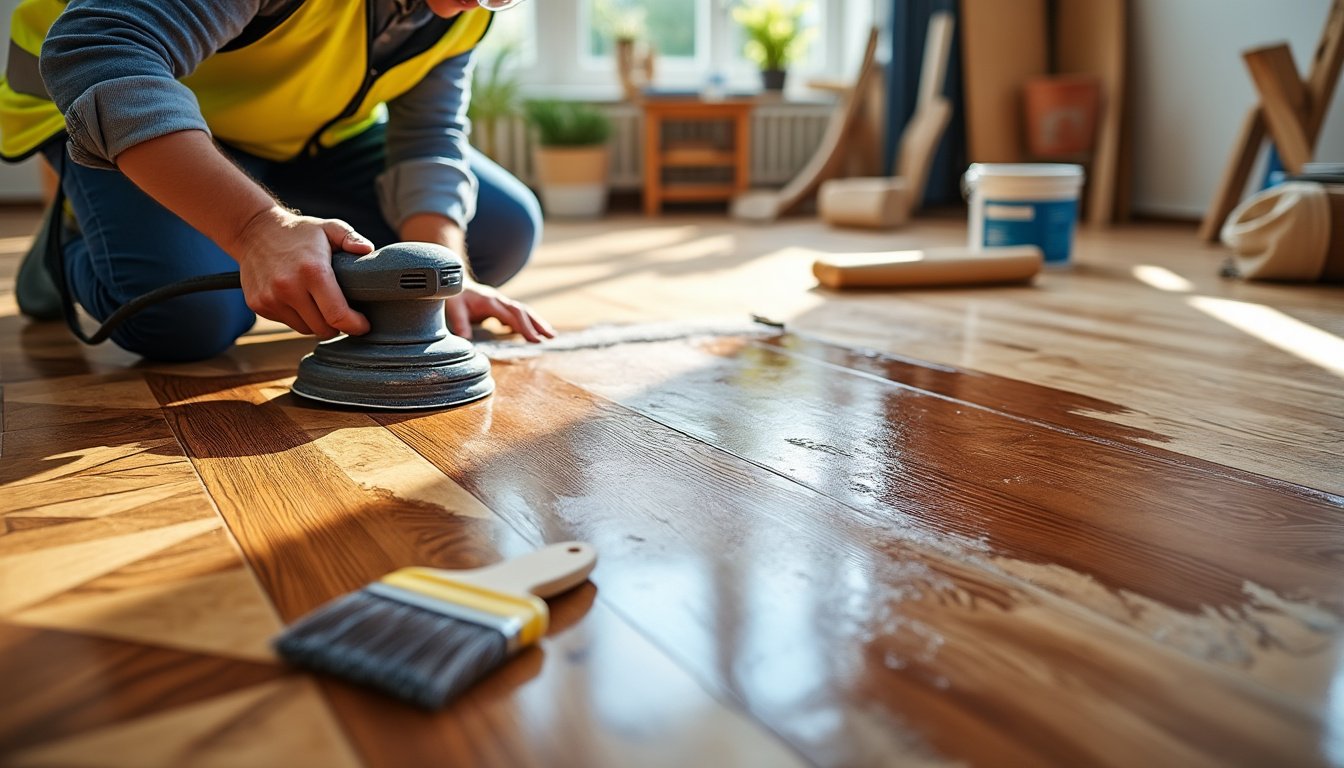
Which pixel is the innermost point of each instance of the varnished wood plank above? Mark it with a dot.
(292, 508)
(377, 461)
(74, 399)
(218, 613)
(100, 682)
(31, 351)
(1208, 388)
(102, 482)
(29, 573)
(90, 447)
(1066, 410)
(1135, 518)
(117, 567)
(798, 604)
(162, 574)
(1069, 411)
(209, 554)
(249, 727)
(298, 505)
(1263, 416)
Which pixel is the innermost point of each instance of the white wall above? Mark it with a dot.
(1192, 90)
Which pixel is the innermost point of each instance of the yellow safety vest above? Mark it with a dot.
(304, 82)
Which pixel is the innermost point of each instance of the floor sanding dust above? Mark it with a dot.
(600, 336)
(1285, 644)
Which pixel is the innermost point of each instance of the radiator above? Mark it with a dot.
(783, 138)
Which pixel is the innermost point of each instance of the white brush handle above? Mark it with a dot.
(545, 573)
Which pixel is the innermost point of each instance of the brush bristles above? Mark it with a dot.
(417, 655)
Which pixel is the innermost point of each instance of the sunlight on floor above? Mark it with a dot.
(1162, 279)
(1273, 327)
(15, 245)
(1334, 719)
(709, 245)
(621, 241)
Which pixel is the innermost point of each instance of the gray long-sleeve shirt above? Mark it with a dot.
(112, 67)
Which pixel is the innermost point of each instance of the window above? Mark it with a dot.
(564, 46)
(513, 30)
(670, 25)
(739, 67)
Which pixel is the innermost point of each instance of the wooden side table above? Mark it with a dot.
(660, 155)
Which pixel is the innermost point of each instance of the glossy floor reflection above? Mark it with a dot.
(1035, 548)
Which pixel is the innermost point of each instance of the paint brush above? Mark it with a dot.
(425, 635)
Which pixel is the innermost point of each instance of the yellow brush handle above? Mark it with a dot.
(545, 572)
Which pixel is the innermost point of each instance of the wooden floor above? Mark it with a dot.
(1094, 521)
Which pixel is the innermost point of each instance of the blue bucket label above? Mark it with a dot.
(1047, 224)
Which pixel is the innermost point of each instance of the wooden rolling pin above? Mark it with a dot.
(932, 266)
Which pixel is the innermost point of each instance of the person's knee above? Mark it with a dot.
(187, 328)
(514, 231)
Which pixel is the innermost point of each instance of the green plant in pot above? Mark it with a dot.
(496, 97)
(625, 26)
(570, 155)
(776, 36)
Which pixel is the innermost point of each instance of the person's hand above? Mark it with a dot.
(477, 302)
(285, 261)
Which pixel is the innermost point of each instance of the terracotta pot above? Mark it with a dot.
(1061, 115)
(572, 180)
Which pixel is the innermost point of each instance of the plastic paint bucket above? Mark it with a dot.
(1024, 204)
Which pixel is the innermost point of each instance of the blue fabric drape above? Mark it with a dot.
(909, 27)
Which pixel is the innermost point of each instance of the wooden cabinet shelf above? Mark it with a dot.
(660, 154)
(683, 192)
(692, 157)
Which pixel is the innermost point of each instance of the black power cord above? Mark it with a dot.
(55, 263)
(220, 282)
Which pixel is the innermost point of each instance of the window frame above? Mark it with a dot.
(562, 66)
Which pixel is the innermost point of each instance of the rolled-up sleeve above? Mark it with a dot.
(427, 133)
(112, 67)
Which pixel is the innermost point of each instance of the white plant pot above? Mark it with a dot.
(572, 180)
(574, 201)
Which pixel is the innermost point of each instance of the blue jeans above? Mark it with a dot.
(129, 245)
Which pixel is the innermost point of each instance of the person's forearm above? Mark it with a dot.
(284, 259)
(427, 150)
(187, 174)
(113, 67)
(435, 228)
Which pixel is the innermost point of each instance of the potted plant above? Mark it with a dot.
(625, 26)
(570, 156)
(495, 98)
(776, 36)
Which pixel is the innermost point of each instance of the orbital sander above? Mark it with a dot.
(408, 359)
